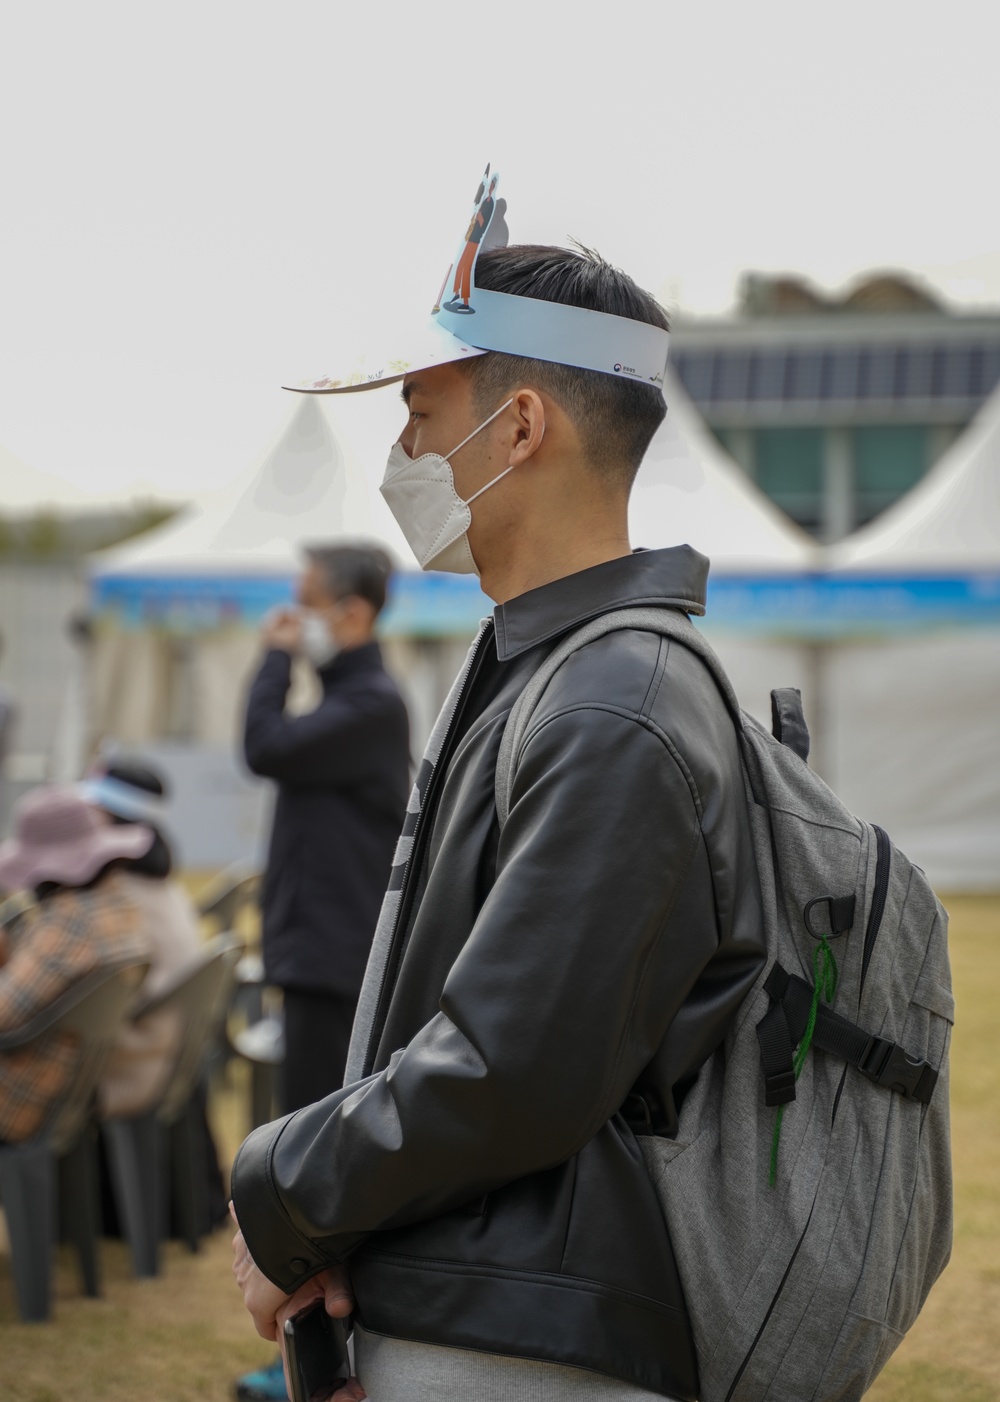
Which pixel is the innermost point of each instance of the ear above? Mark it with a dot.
(353, 607)
(360, 612)
(528, 411)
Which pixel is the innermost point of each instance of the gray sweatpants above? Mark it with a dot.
(394, 1370)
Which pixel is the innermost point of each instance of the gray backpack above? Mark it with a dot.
(808, 1191)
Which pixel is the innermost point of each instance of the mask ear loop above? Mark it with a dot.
(483, 425)
(472, 435)
(470, 500)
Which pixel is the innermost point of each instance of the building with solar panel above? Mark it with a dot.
(836, 408)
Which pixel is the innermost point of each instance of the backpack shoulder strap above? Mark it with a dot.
(668, 622)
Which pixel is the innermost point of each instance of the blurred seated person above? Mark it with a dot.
(125, 792)
(84, 921)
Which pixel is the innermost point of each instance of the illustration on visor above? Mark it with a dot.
(487, 229)
(469, 320)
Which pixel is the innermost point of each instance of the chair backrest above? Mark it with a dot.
(92, 1010)
(14, 909)
(235, 887)
(201, 997)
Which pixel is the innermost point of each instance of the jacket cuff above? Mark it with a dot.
(279, 1250)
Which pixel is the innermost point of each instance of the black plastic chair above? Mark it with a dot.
(93, 1010)
(168, 1134)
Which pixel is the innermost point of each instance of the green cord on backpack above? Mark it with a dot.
(825, 984)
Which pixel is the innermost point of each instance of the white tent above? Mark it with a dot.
(306, 485)
(177, 610)
(949, 523)
(915, 718)
(185, 601)
(690, 490)
(177, 613)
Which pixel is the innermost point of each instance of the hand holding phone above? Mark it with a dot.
(316, 1353)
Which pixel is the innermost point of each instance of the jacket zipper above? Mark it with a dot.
(883, 858)
(407, 887)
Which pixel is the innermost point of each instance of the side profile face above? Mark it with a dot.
(442, 413)
(312, 591)
(349, 619)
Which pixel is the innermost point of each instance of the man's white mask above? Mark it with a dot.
(318, 643)
(420, 493)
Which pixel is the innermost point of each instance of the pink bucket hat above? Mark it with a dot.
(60, 837)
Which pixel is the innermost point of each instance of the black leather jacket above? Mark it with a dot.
(551, 990)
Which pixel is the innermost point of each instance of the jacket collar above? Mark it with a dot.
(673, 578)
(366, 658)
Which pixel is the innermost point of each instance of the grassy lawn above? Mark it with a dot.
(184, 1336)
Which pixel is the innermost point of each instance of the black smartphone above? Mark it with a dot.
(316, 1347)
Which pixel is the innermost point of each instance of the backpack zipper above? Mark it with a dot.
(412, 864)
(770, 1310)
(883, 858)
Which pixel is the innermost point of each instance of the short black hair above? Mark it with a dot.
(158, 862)
(616, 418)
(138, 775)
(360, 570)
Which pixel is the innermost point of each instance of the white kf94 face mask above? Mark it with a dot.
(318, 643)
(420, 493)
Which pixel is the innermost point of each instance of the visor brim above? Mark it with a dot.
(428, 345)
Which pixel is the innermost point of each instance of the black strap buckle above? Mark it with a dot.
(779, 1088)
(887, 1064)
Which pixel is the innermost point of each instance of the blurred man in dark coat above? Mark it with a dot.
(343, 776)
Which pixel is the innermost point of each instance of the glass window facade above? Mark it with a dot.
(900, 374)
(789, 468)
(888, 461)
(838, 420)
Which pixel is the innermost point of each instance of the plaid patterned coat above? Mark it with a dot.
(67, 936)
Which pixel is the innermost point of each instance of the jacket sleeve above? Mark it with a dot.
(331, 745)
(564, 989)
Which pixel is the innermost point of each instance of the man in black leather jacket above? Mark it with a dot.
(537, 995)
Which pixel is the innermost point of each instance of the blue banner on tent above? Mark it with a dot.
(425, 605)
(830, 606)
(443, 605)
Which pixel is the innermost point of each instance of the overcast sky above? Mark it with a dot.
(201, 200)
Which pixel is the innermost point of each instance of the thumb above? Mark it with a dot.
(338, 1297)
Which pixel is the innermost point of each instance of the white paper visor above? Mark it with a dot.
(123, 800)
(497, 321)
(427, 345)
(612, 345)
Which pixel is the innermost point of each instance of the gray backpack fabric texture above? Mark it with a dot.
(800, 1291)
